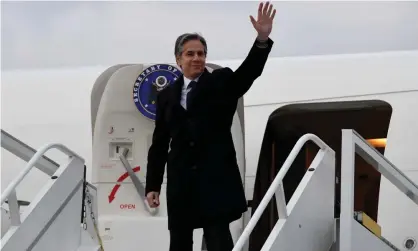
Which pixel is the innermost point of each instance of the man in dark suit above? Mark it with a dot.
(204, 186)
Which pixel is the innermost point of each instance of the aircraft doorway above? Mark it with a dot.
(326, 120)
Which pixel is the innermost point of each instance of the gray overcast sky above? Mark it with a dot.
(70, 34)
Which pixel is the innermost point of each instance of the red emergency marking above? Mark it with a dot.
(127, 206)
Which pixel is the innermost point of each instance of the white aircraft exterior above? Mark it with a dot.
(342, 92)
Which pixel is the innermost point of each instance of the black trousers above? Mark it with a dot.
(217, 237)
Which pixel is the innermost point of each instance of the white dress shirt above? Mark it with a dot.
(184, 91)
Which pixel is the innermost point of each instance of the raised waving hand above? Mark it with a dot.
(264, 23)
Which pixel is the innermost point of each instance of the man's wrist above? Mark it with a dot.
(262, 39)
(261, 42)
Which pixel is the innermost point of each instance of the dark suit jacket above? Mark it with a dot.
(203, 179)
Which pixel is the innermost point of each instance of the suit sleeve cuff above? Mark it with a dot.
(151, 188)
(263, 44)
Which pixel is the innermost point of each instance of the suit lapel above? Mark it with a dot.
(200, 86)
(176, 94)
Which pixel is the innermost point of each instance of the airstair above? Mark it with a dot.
(306, 223)
(61, 216)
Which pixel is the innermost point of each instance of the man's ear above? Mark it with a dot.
(178, 62)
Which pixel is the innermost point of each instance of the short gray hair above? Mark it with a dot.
(182, 39)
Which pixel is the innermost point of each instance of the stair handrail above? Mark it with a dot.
(353, 143)
(275, 185)
(26, 152)
(38, 155)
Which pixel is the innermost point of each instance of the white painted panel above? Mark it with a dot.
(310, 224)
(398, 215)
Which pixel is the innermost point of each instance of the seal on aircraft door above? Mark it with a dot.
(149, 83)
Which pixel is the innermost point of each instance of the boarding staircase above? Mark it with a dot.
(307, 222)
(52, 220)
(61, 216)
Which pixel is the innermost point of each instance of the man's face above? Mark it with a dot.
(193, 59)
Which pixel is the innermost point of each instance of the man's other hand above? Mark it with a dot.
(153, 199)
